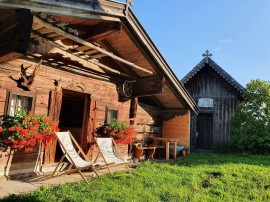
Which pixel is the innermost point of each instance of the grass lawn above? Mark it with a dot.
(197, 177)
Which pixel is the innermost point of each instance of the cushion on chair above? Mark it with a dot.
(178, 148)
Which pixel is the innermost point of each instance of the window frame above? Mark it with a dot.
(10, 93)
(107, 113)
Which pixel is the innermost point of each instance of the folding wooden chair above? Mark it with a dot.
(107, 147)
(77, 164)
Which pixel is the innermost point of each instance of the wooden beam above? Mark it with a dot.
(69, 54)
(104, 11)
(98, 56)
(83, 42)
(148, 86)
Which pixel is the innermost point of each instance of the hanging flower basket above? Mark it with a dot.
(24, 131)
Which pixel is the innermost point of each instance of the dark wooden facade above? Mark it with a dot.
(84, 61)
(217, 95)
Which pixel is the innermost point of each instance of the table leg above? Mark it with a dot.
(151, 154)
(167, 151)
(175, 150)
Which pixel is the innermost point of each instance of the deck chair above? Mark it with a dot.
(77, 163)
(107, 147)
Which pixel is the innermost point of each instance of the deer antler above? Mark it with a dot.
(27, 81)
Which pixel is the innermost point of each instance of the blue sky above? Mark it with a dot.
(236, 32)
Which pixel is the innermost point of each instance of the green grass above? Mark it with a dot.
(198, 177)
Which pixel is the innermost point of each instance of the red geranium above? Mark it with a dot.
(120, 131)
(24, 131)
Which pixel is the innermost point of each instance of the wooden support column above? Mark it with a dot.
(133, 110)
(91, 127)
(147, 86)
(54, 112)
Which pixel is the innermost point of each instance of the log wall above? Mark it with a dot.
(102, 91)
(148, 121)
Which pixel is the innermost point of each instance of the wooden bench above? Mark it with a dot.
(139, 151)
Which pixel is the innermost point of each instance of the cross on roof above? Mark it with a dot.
(128, 3)
(207, 54)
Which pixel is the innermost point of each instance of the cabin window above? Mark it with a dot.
(19, 101)
(111, 114)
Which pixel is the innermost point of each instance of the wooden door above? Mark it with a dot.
(205, 130)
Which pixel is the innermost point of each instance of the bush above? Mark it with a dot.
(223, 148)
(250, 125)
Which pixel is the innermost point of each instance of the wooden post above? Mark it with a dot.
(91, 128)
(54, 112)
(133, 110)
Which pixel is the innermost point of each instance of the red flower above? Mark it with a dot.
(109, 128)
(105, 132)
(46, 120)
(28, 149)
(1, 129)
(11, 129)
(20, 146)
(35, 121)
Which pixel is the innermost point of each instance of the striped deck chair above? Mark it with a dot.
(107, 147)
(77, 163)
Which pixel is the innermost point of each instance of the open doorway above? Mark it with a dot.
(72, 116)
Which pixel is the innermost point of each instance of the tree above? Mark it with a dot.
(250, 125)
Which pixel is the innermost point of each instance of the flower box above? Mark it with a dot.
(20, 164)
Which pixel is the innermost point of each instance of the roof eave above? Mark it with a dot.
(158, 58)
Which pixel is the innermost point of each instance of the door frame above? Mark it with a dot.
(209, 142)
(55, 110)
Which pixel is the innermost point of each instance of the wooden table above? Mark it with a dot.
(168, 142)
(139, 152)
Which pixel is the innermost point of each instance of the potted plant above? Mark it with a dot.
(22, 139)
(24, 131)
(122, 133)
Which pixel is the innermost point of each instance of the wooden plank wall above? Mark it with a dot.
(178, 128)
(221, 128)
(208, 84)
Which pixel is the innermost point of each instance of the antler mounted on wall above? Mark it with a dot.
(25, 81)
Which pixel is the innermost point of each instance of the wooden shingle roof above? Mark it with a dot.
(207, 61)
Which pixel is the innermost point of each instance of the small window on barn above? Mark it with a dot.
(111, 114)
(19, 101)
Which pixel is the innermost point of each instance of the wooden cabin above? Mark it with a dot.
(217, 95)
(97, 63)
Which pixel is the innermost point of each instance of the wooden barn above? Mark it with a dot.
(84, 63)
(217, 95)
